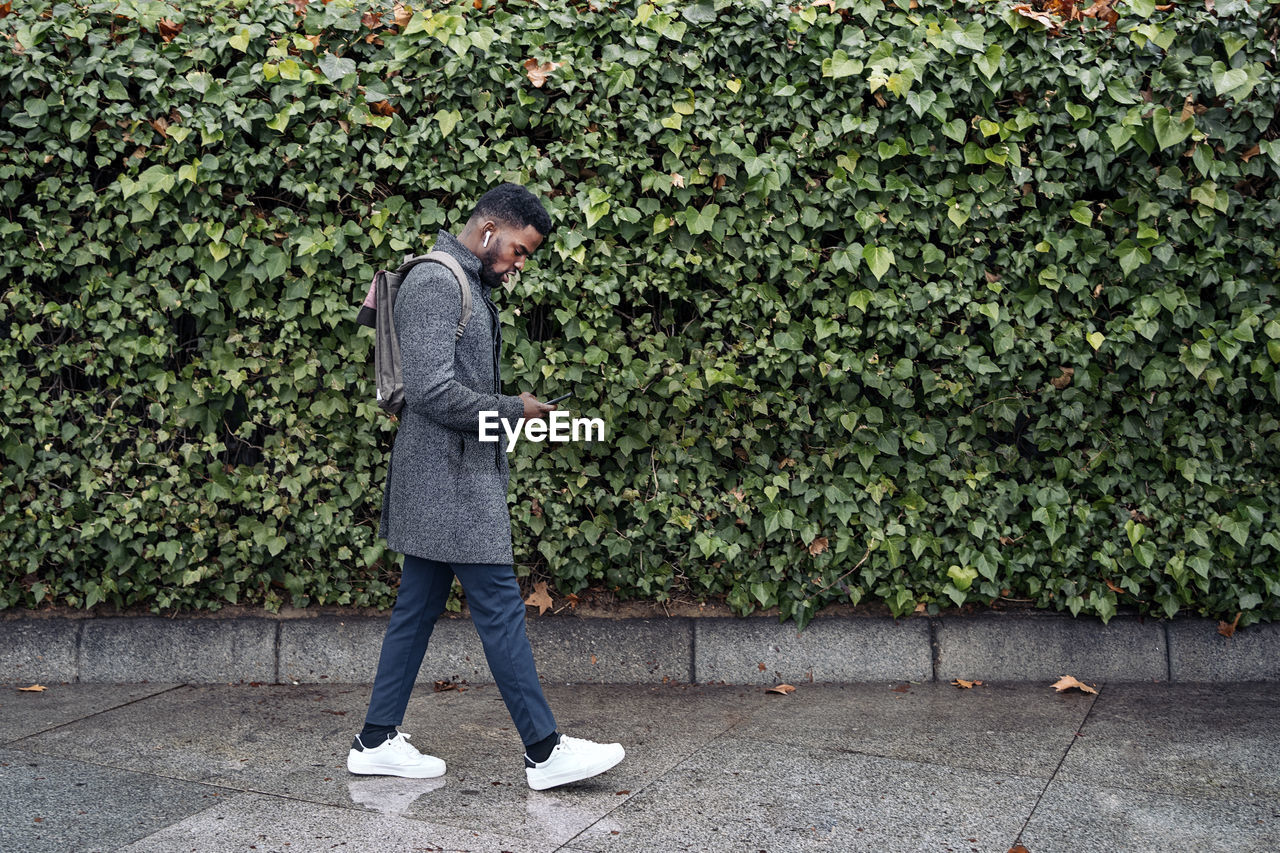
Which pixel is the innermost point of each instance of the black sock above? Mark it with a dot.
(372, 736)
(541, 751)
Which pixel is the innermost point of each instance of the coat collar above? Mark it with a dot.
(446, 242)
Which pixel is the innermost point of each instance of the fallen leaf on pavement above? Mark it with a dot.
(35, 688)
(442, 686)
(966, 685)
(1018, 848)
(901, 688)
(782, 689)
(1066, 682)
(539, 598)
(1228, 629)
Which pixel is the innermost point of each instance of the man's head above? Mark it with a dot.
(507, 225)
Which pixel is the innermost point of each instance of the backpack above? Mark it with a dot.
(377, 313)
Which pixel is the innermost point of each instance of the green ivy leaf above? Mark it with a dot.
(240, 41)
(335, 68)
(447, 121)
(839, 65)
(1170, 131)
(879, 259)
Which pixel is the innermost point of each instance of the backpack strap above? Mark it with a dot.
(451, 263)
(454, 267)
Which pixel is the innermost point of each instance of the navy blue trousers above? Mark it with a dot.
(497, 610)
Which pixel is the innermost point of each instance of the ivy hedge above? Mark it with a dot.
(926, 303)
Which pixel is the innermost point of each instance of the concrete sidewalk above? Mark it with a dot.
(160, 768)
(319, 647)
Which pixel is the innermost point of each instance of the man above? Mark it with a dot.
(445, 504)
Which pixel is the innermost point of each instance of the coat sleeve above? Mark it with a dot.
(426, 314)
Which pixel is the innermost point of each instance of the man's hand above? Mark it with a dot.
(533, 408)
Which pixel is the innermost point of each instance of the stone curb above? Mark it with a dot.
(571, 649)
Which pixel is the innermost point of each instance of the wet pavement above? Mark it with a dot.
(889, 766)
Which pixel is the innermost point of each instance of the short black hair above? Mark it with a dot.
(513, 205)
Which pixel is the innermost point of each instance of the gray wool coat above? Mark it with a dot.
(446, 492)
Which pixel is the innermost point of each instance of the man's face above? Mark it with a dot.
(509, 247)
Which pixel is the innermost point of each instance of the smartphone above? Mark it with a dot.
(558, 399)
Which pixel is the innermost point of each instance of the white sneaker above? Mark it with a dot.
(396, 757)
(572, 760)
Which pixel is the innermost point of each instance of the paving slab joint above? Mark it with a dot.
(935, 648)
(1168, 653)
(693, 652)
(79, 653)
(279, 630)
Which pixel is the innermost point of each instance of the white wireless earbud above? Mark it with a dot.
(487, 235)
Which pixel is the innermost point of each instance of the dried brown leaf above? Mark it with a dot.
(677, 179)
(1067, 682)
(1251, 153)
(1117, 590)
(371, 20)
(168, 29)
(788, 462)
(403, 15)
(818, 545)
(966, 685)
(1062, 380)
(1188, 108)
(5, 9)
(1042, 18)
(443, 686)
(1103, 12)
(35, 688)
(382, 108)
(539, 598)
(538, 73)
(1228, 629)
(781, 689)
(901, 688)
